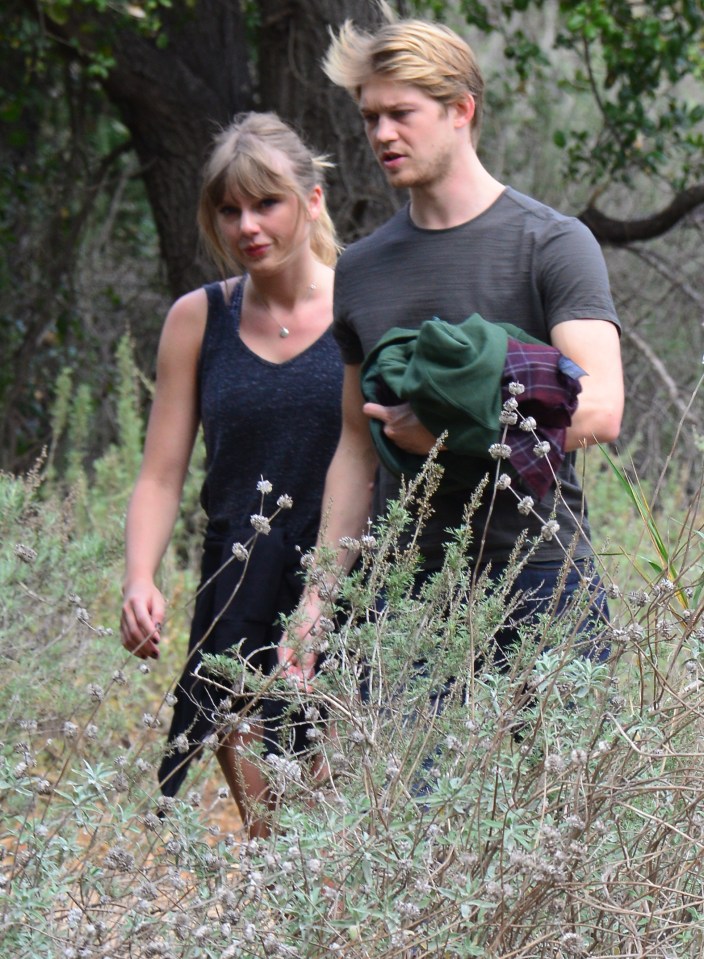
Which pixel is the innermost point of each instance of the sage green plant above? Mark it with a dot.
(544, 810)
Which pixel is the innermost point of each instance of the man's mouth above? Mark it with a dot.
(390, 159)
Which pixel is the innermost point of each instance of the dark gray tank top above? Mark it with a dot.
(276, 421)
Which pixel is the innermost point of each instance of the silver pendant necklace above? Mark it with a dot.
(283, 330)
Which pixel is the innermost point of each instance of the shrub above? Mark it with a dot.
(548, 809)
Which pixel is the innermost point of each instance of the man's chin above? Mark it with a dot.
(400, 179)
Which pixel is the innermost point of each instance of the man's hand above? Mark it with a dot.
(402, 427)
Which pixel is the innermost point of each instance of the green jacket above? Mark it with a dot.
(451, 376)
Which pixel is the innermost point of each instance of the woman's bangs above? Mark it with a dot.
(254, 179)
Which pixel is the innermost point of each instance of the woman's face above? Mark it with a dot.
(265, 233)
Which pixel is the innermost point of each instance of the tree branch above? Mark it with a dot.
(660, 371)
(620, 232)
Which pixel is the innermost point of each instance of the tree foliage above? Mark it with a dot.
(641, 65)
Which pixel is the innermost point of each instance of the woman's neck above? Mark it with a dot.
(289, 287)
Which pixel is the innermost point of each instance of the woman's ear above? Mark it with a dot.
(315, 203)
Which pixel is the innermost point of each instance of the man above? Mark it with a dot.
(464, 244)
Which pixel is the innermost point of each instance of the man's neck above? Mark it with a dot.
(462, 195)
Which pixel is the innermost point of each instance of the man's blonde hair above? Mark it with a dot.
(426, 55)
(247, 159)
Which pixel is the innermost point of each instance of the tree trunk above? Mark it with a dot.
(173, 100)
(294, 36)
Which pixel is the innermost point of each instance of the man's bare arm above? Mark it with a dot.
(345, 513)
(595, 346)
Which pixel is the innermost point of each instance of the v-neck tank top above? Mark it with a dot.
(263, 420)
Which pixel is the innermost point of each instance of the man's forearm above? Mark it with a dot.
(347, 501)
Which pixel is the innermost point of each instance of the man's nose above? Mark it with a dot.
(386, 130)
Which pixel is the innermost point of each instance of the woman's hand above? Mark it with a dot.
(296, 652)
(143, 609)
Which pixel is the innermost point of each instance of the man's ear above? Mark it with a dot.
(464, 111)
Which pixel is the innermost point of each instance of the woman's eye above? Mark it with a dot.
(268, 202)
(228, 210)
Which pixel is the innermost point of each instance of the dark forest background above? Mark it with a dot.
(107, 110)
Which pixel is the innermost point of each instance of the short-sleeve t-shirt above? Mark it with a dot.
(518, 262)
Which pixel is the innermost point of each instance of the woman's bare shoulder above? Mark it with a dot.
(184, 326)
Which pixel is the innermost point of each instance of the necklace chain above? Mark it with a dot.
(283, 330)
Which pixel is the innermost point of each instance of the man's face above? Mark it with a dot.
(412, 135)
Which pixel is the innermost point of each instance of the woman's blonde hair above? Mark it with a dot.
(426, 55)
(246, 160)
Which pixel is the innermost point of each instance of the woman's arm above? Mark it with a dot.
(154, 504)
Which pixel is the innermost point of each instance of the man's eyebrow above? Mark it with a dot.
(385, 108)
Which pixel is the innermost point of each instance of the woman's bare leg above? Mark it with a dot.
(247, 782)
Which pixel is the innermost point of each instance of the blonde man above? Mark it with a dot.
(465, 243)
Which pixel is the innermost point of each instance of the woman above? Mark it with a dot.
(252, 359)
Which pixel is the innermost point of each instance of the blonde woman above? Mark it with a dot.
(251, 359)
